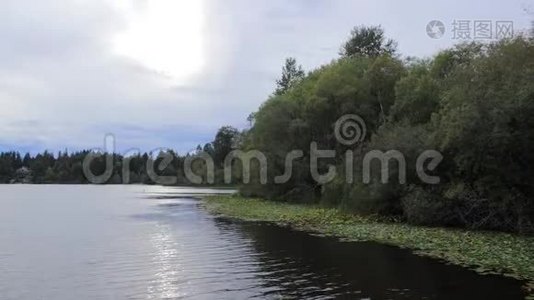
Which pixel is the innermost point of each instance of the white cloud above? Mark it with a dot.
(166, 36)
(64, 82)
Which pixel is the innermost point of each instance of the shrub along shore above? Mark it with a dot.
(485, 252)
(473, 103)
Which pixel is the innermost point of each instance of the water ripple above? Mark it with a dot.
(157, 243)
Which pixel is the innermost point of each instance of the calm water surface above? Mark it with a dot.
(139, 242)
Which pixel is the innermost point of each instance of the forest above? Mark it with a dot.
(67, 168)
(473, 103)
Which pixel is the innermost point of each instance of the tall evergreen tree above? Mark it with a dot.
(291, 74)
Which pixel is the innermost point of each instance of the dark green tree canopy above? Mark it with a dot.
(224, 142)
(474, 103)
(368, 41)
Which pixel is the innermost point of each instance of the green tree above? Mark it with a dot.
(416, 96)
(291, 74)
(224, 143)
(368, 41)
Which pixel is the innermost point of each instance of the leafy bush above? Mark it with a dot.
(474, 103)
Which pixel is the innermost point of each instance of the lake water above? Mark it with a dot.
(148, 242)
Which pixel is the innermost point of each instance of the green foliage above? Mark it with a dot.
(422, 207)
(224, 143)
(368, 41)
(416, 96)
(474, 103)
(9, 163)
(291, 75)
(307, 113)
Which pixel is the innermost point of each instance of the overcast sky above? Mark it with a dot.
(168, 73)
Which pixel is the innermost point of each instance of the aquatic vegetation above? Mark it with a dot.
(485, 252)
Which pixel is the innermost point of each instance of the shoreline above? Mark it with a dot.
(485, 252)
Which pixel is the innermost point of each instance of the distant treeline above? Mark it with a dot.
(474, 103)
(67, 168)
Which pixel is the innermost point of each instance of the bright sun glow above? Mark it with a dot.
(165, 36)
